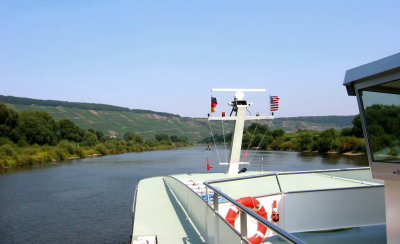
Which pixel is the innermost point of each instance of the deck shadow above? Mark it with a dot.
(192, 234)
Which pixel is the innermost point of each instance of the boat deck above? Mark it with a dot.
(167, 220)
(158, 213)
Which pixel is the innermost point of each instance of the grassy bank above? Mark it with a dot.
(12, 155)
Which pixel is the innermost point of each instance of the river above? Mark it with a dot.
(90, 200)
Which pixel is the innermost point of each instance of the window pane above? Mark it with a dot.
(382, 114)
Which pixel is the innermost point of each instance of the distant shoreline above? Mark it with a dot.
(329, 152)
(338, 153)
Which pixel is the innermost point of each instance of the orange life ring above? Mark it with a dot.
(254, 204)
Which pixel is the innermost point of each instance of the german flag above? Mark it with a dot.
(213, 104)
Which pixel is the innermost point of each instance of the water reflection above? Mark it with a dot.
(381, 109)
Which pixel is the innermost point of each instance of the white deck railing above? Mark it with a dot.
(356, 203)
(211, 226)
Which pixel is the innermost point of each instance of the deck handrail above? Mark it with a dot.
(284, 234)
(276, 174)
(134, 209)
(208, 206)
(284, 173)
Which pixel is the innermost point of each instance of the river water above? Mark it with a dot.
(90, 200)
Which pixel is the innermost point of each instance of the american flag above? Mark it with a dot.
(274, 103)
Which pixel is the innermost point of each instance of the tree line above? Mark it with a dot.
(33, 137)
(348, 139)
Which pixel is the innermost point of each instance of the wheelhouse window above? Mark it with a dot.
(381, 110)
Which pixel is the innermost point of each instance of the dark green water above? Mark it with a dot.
(90, 200)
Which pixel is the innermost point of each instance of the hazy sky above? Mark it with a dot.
(167, 55)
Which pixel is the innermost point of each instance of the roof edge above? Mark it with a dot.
(373, 68)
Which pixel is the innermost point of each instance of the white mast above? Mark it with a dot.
(239, 107)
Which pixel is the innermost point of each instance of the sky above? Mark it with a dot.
(167, 55)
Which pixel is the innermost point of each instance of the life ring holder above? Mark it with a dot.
(255, 205)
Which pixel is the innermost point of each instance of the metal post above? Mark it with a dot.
(208, 200)
(279, 184)
(215, 201)
(237, 137)
(262, 164)
(243, 224)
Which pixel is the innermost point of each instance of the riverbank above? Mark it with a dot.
(12, 156)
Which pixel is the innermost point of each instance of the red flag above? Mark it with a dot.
(209, 165)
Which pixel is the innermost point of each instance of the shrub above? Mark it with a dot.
(7, 150)
(348, 144)
(100, 148)
(392, 151)
(130, 136)
(151, 143)
(70, 147)
(5, 163)
(5, 140)
(136, 148)
(277, 144)
(90, 139)
(80, 152)
(31, 150)
(61, 153)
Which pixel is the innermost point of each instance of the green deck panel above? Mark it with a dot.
(214, 176)
(269, 185)
(303, 182)
(240, 188)
(250, 187)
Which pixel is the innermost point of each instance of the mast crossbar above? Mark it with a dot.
(237, 90)
(241, 117)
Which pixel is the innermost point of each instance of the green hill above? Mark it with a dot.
(116, 121)
(292, 124)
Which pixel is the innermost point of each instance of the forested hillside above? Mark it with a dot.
(35, 137)
(292, 124)
(116, 121)
(87, 106)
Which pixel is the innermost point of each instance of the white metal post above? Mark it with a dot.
(234, 159)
